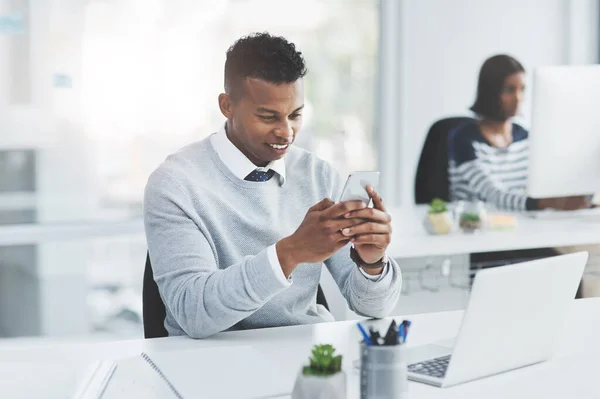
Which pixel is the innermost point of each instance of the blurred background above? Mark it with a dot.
(94, 94)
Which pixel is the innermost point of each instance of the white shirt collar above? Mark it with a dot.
(237, 162)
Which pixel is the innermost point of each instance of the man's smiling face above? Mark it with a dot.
(264, 118)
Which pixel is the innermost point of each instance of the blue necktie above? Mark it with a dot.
(258, 175)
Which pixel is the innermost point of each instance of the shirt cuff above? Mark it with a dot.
(374, 277)
(276, 266)
(531, 204)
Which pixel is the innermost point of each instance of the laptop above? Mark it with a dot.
(514, 318)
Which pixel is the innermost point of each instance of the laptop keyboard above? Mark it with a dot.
(434, 368)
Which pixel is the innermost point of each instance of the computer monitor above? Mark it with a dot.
(564, 138)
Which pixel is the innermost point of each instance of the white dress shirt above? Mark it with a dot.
(241, 167)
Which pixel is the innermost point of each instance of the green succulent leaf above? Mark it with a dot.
(323, 361)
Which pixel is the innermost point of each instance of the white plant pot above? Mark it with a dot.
(438, 223)
(315, 387)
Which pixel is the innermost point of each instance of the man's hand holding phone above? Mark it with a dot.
(329, 226)
(373, 232)
(319, 235)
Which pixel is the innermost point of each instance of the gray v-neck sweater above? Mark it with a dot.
(207, 234)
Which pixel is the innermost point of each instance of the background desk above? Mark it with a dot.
(572, 373)
(429, 287)
(47, 284)
(410, 240)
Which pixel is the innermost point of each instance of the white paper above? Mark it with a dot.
(222, 372)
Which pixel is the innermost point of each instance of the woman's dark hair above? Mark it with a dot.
(489, 87)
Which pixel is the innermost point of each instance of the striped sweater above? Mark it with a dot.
(479, 171)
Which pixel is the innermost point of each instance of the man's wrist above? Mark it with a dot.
(286, 255)
(374, 268)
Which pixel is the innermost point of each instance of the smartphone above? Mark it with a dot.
(356, 186)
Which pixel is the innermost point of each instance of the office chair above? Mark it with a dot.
(153, 308)
(432, 180)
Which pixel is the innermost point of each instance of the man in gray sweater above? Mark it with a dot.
(239, 224)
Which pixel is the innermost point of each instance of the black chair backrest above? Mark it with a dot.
(321, 297)
(432, 180)
(153, 308)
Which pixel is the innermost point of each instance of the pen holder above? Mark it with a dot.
(383, 372)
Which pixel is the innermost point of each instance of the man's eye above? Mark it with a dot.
(267, 118)
(295, 116)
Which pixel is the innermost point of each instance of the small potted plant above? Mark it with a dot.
(438, 219)
(323, 378)
(472, 219)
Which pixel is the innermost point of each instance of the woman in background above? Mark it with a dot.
(489, 156)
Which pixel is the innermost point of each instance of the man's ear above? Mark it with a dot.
(226, 105)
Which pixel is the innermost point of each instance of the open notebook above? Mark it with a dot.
(55, 379)
(221, 372)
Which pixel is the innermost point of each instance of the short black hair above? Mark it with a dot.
(489, 87)
(265, 57)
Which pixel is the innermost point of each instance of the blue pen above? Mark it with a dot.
(403, 330)
(364, 334)
(401, 333)
(407, 324)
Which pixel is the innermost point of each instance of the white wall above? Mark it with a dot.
(445, 43)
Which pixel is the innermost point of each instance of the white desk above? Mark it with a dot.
(410, 240)
(572, 373)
